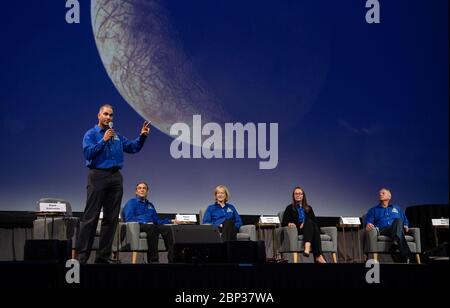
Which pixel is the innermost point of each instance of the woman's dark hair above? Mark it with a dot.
(305, 205)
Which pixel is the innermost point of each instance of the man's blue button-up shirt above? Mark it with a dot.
(142, 211)
(102, 154)
(382, 217)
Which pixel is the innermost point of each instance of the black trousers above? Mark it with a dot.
(397, 233)
(228, 231)
(153, 232)
(104, 190)
(311, 233)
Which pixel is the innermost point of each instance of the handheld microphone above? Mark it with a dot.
(111, 125)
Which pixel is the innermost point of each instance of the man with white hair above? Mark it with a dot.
(391, 221)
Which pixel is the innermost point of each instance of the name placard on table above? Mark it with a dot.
(440, 222)
(269, 219)
(186, 218)
(350, 221)
(57, 207)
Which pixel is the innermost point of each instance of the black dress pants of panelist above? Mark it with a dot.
(153, 231)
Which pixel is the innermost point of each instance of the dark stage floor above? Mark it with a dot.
(261, 277)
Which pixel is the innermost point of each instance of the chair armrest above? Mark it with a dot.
(249, 229)
(331, 232)
(286, 239)
(415, 232)
(131, 238)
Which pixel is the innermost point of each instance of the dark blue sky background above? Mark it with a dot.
(360, 106)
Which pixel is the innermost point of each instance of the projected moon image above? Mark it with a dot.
(145, 57)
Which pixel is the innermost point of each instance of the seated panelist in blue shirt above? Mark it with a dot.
(299, 214)
(388, 219)
(223, 214)
(140, 210)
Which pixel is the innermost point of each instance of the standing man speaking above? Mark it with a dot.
(103, 150)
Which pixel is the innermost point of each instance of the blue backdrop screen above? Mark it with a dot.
(359, 106)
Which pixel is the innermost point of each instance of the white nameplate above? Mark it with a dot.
(440, 222)
(349, 221)
(188, 218)
(52, 207)
(269, 220)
